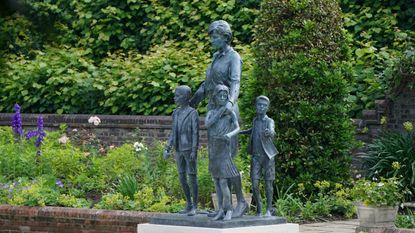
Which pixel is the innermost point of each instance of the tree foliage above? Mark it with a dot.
(381, 31)
(302, 64)
(106, 26)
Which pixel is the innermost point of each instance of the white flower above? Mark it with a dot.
(94, 120)
(74, 130)
(402, 205)
(381, 184)
(358, 176)
(138, 146)
(112, 147)
(63, 139)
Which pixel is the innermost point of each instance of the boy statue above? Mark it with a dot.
(263, 151)
(184, 138)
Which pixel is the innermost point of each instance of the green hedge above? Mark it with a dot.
(107, 26)
(65, 80)
(381, 31)
(302, 64)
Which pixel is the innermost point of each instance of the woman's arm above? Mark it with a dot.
(235, 71)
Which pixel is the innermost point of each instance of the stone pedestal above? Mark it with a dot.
(279, 228)
(176, 223)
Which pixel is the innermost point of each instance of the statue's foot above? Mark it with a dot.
(186, 210)
(212, 214)
(240, 210)
(268, 213)
(192, 212)
(219, 215)
(258, 214)
(228, 215)
(274, 211)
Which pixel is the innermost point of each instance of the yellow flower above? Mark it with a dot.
(408, 126)
(301, 187)
(396, 165)
(383, 120)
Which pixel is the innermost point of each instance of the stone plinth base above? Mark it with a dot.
(201, 220)
(277, 228)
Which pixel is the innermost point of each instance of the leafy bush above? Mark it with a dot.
(18, 35)
(385, 192)
(120, 160)
(64, 80)
(17, 156)
(127, 185)
(42, 191)
(330, 200)
(72, 201)
(115, 201)
(392, 154)
(405, 220)
(105, 26)
(302, 66)
(380, 31)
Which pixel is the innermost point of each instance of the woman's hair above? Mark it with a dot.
(222, 28)
(220, 88)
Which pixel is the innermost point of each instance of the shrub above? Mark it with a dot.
(392, 154)
(105, 26)
(405, 221)
(72, 201)
(120, 160)
(115, 201)
(380, 31)
(64, 80)
(302, 66)
(41, 191)
(385, 192)
(127, 185)
(18, 158)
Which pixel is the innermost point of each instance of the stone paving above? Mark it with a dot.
(330, 227)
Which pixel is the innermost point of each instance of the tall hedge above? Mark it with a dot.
(302, 64)
(105, 26)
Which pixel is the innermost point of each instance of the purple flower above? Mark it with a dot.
(17, 121)
(59, 183)
(39, 133)
(31, 134)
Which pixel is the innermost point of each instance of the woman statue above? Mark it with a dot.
(222, 125)
(225, 69)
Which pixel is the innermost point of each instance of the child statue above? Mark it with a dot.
(222, 124)
(263, 151)
(184, 138)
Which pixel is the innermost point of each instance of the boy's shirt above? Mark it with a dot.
(258, 141)
(185, 129)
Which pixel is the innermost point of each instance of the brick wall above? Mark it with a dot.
(397, 111)
(114, 129)
(22, 219)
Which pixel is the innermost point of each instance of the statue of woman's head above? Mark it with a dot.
(220, 29)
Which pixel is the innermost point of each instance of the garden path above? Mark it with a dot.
(330, 227)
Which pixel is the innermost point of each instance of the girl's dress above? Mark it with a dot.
(220, 161)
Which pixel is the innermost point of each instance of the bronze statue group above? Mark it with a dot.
(221, 88)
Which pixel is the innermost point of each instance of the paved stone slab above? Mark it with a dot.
(278, 228)
(202, 220)
(330, 227)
